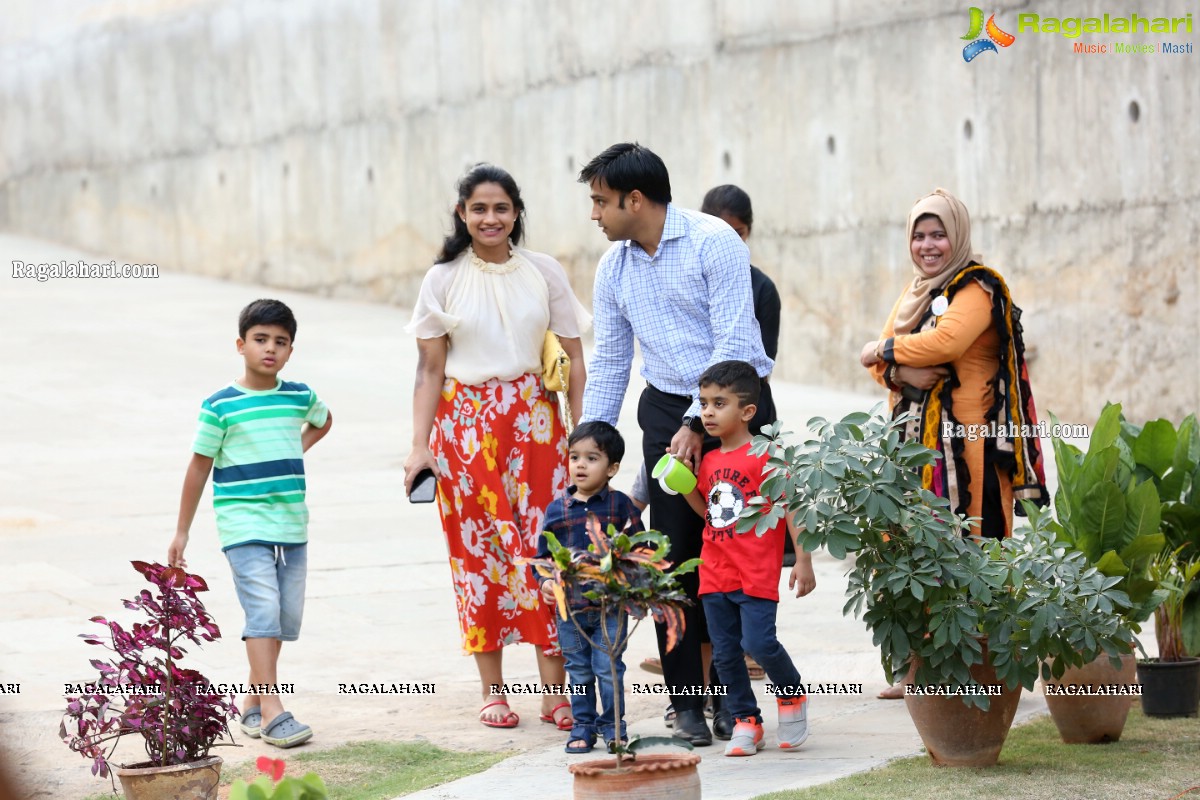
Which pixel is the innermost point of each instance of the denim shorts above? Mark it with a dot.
(270, 586)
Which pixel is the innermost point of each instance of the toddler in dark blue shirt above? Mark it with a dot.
(595, 453)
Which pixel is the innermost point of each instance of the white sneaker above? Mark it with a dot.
(793, 721)
(747, 738)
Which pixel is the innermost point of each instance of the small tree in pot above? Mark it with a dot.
(966, 614)
(1176, 575)
(623, 572)
(1171, 683)
(142, 690)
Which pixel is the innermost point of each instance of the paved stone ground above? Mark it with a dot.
(101, 382)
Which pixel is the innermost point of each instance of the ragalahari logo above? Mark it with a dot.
(995, 36)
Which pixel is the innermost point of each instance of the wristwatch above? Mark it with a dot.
(694, 423)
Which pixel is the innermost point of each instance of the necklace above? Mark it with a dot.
(513, 262)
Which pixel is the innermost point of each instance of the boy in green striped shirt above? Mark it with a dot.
(252, 436)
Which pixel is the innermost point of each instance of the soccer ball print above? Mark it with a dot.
(725, 504)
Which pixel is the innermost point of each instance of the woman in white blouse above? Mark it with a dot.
(489, 429)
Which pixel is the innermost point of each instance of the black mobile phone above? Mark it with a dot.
(424, 487)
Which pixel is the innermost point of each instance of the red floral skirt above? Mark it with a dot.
(502, 453)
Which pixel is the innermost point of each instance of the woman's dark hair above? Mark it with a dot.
(731, 200)
(460, 237)
(628, 166)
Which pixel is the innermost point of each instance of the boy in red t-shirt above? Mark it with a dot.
(739, 577)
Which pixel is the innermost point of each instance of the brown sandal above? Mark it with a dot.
(652, 664)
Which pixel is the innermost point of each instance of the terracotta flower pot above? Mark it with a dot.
(194, 781)
(1092, 719)
(957, 735)
(664, 775)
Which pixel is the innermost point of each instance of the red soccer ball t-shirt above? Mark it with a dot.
(734, 560)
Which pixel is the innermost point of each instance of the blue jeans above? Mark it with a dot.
(587, 666)
(738, 623)
(270, 583)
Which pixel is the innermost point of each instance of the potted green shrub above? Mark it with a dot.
(630, 572)
(142, 691)
(1171, 682)
(968, 618)
(1112, 514)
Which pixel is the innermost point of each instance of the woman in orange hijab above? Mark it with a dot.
(952, 351)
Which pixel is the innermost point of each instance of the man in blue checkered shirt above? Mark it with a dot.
(677, 282)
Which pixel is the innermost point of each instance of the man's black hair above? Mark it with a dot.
(607, 438)
(737, 376)
(628, 166)
(267, 312)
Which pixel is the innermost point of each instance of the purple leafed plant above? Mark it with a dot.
(141, 689)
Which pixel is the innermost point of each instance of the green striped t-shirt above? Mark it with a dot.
(253, 438)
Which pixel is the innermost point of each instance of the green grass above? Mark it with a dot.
(1155, 759)
(372, 770)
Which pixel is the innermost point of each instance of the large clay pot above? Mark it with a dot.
(1091, 718)
(650, 777)
(193, 781)
(1170, 688)
(957, 735)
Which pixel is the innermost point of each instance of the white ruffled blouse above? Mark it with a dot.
(496, 315)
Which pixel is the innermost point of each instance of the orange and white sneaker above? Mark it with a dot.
(747, 737)
(793, 721)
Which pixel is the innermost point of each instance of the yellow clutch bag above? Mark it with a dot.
(556, 364)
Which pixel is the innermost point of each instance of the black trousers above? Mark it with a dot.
(660, 416)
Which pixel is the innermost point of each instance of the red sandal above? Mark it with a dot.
(509, 720)
(564, 724)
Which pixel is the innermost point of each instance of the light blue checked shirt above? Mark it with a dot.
(689, 307)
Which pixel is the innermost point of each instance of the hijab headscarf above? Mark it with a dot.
(957, 222)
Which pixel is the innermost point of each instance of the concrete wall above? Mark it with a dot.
(315, 144)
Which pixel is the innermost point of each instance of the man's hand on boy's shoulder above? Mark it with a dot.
(802, 579)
